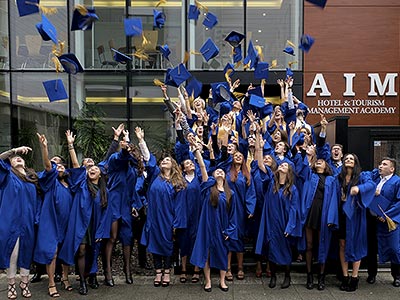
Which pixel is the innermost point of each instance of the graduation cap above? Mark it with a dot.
(252, 56)
(55, 90)
(306, 41)
(257, 101)
(289, 50)
(194, 87)
(158, 19)
(320, 3)
(47, 30)
(221, 92)
(379, 204)
(27, 7)
(194, 12)
(234, 38)
(83, 18)
(70, 63)
(176, 76)
(209, 49)
(237, 54)
(262, 70)
(210, 20)
(121, 57)
(133, 26)
(229, 69)
(289, 72)
(164, 49)
(256, 91)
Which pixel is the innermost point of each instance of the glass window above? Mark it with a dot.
(5, 126)
(230, 16)
(28, 50)
(4, 40)
(270, 23)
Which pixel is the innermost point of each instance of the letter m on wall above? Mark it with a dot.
(388, 83)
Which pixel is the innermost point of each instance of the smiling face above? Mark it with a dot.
(268, 160)
(199, 130)
(320, 166)
(280, 148)
(219, 173)
(238, 158)
(231, 148)
(166, 163)
(277, 136)
(88, 162)
(17, 162)
(93, 173)
(60, 169)
(336, 153)
(188, 166)
(349, 161)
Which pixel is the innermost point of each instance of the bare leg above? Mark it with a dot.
(207, 276)
(51, 268)
(222, 274)
(229, 275)
(239, 256)
(356, 267)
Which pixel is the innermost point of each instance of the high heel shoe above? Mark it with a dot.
(165, 283)
(321, 282)
(158, 279)
(54, 293)
(286, 282)
(24, 286)
(92, 281)
(310, 281)
(128, 278)
(83, 290)
(66, 285)
(272, 282)
(12, 291)
(109, 281)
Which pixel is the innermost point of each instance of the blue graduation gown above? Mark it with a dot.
(356, 222)
(19, 212)
(164, 213)
(215, 224)
(84, 208)
(121, 182)
(389, 242)
(245, 198)
(330, 213)
(187, 236)
(54, 215)
(280, 214)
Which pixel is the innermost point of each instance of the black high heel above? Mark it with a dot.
(165, 283)
(157, 283)
(109, 282)
(128, 278)
(66, 285)
(83, 290)
(92, 281)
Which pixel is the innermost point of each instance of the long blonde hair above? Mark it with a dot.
(176, 178)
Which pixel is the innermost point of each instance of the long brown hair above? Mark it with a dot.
(29, 176)
(355, 174)
(136, 154)
(176, 178)
(288, 183)
(243, 168)
(214, 195)
(100, 186)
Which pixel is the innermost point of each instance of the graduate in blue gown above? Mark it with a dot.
(54, 215)
(121, 182)
(165, 211)
(356, 191)
(269, 161)
(280, 219)
(19, 212)
(241, 183)
(90, 218)
(216, 225)
(319, 215)
(388, 188)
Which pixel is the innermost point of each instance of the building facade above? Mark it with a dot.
(355, 59)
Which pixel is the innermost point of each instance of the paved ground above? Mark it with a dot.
(251, 288)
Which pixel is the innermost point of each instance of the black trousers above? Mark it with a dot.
(372, 256)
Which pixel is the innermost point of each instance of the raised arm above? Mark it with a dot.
(204, 174)
(14, 151)
(142, 144)
(45, 151)
(259, 146)
(70, 140)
